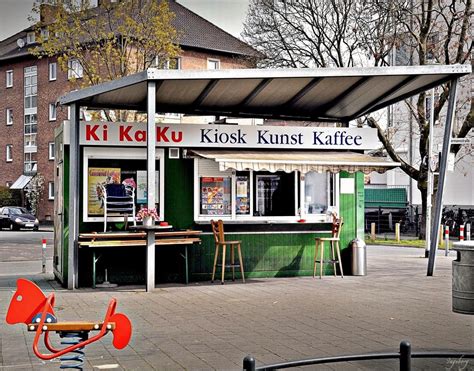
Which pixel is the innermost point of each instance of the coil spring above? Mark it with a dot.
(75, 359)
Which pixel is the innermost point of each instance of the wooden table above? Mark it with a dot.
(139, 238)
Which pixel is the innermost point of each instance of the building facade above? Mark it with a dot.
(30, 87)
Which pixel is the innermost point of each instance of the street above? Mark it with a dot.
(20, 251)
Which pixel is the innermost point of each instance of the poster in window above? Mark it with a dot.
(242, 197)
(215, 196)
(98, 177)
(142, 197)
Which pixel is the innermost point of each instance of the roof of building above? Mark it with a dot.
(194, 30)
(323, 94)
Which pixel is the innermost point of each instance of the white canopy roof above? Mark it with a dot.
(324, 94)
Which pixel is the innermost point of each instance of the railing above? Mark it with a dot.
(404, 356)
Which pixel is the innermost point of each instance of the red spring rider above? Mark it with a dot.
(30, 306)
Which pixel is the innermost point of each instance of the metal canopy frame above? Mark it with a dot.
(326, 94)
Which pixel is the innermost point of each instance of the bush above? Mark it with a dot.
(9, 197)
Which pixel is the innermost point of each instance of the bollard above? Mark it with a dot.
(249, 363)
(405, 356)
(372, 231)
(43, 255)
(440, 237)
(461, 232)
(446, 240)
(468, 231)
(397, 232)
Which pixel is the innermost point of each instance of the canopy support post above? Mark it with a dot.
(151, 186)
(448, 129)
(74, 189)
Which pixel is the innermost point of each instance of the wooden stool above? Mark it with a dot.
(218, 231)
(334, 243)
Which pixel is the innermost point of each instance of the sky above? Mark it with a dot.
(227, 14)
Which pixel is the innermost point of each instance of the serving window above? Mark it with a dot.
(260, 195)
(125, 166)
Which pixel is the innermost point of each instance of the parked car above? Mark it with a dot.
(14, 218)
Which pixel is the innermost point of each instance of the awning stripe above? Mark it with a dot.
(289, 161)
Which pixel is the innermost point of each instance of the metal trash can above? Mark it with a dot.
(463, 278)
(359, 257)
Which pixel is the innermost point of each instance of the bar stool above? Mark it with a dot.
(218, 231)
(334, 243)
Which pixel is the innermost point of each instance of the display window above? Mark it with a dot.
(125, 166)
(259, 195)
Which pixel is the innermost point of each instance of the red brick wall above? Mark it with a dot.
(49, 92)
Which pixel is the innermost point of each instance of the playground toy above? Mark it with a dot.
(30, 306)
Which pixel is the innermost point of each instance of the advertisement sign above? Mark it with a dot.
(228, 136)
(142, 197)
(98, 177)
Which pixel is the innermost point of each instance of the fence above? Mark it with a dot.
(404, 355)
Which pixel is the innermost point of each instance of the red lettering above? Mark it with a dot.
(140, 136)
(177, 137)
(105, 133)
(91, 132)
(161, 134)
(124, 133)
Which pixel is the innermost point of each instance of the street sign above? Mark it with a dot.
(460, 141)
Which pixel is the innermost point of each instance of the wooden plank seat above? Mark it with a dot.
(72, 326)
(101, 240)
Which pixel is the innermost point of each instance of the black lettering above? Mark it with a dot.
(204, 137)
(261, 137)
(316, 137)
(356, 139)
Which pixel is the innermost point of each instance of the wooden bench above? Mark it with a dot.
(131, 239)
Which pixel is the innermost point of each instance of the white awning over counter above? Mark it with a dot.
(21, 182)
(303, 161)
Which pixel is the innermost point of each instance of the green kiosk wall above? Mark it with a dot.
(280, 253)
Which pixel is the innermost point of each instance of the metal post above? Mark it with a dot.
(442, 176)
(446, 240)
(249, 363)
(43, 256)
(74, 193)
(468, 231)
(405, 356)
(151, 186)
(430, 179)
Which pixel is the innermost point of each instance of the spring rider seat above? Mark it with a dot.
(30, 306)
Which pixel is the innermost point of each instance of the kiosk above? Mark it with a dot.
(272, 186)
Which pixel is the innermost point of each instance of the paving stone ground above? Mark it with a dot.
(209, 326)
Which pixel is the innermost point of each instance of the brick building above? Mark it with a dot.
(29, 88)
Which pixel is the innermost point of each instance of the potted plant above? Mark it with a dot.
(147, 216)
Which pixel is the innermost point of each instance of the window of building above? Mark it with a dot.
(44, 34)
(52, 71)
(9, 154)
(9, 116)
(51, 150)
(30, 38)
(118, 165)
(213, 64)
(50, 190)
(75, 70)
(254, 195)
(52, 112)
(9, 77)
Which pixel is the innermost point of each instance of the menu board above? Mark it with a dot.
(215, 195)
(98, 177)
(242, 197)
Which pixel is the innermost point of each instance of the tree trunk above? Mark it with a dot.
(422, 186)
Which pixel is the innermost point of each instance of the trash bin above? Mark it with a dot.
(463, 278)
(359, 257)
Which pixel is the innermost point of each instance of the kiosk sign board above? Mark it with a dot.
(229, 136)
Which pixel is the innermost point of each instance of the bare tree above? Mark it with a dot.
(345, 33)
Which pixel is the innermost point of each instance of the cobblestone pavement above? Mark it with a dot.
(210, 326)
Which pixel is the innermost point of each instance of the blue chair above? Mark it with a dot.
(118, 199)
